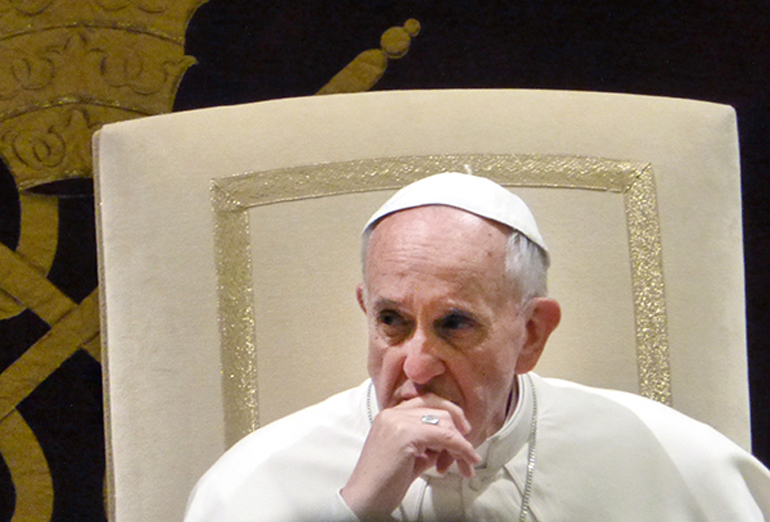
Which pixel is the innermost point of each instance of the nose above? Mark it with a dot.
(422, 363)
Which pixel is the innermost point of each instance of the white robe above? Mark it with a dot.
(600, 455)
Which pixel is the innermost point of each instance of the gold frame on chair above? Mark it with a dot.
(233, 196)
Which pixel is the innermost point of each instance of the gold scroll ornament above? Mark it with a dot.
(368, 67)
(67, 67)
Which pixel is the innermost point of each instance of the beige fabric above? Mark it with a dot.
(159, 274)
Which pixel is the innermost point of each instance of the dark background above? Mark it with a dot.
(705, 50)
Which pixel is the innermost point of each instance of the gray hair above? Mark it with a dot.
(526, 264)
(526, 267)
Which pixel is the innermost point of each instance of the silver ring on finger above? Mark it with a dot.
(429, 418)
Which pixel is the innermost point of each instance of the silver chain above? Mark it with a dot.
(369, 402)
(524, 514)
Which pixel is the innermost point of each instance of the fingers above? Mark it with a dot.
(466, 469)
(401, 446)
(432, 401)
(443, 462)
(438, 426)
(450, 447)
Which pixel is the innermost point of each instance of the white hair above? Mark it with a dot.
(526, 267)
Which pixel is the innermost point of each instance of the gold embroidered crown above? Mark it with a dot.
(69, 66)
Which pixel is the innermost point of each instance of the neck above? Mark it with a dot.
(510, 407)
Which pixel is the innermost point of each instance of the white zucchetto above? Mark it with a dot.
(474, 194)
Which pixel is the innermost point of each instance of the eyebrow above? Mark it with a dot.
(460, 312)
(384, 303)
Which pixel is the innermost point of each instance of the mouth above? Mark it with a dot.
(404, 395)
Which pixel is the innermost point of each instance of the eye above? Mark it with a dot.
(393, 325)
(460, 329)
(454, 321)
(390, 318)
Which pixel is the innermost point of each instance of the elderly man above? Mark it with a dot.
(452, 424)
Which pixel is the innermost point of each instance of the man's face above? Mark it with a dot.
(442, 317)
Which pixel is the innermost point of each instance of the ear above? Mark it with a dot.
(360, 296)
(544, 317)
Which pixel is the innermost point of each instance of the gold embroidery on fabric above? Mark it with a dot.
(368, 67)
(30, 473)
(649, 291)
(233, 196)
(67, 335)
(38, 239)
(236, 319)
(68, 67)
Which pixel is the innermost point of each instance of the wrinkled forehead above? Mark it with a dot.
(439, 254)
(439, 234)
(438, 219)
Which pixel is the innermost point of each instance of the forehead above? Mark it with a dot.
(437, 237)
(439, 219)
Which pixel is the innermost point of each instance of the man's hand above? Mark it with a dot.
(400, 447)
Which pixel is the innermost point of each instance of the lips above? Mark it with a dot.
(409, 390)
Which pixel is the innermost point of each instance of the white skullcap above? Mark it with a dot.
(474, 194)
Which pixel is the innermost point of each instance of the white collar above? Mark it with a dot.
(509, 440)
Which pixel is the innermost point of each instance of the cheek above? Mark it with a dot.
(374, 363)
(385, 364)
(494, 369)
(487, 380)
(384, 370)
(505, 365)
(377, 361)
(511, 342)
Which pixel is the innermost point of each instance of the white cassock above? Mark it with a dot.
(596, 455)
